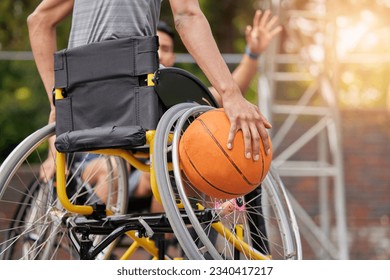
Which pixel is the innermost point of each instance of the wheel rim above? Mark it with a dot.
(31, 219)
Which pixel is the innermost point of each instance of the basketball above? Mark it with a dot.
(214, 169)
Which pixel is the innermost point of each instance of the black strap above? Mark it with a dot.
(125, 57)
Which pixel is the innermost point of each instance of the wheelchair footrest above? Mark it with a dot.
(123, 137)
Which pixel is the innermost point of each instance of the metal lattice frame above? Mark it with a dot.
(328, 237)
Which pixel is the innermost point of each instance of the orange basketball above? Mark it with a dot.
(214, 169)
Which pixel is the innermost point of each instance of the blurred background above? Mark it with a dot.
(324, 85)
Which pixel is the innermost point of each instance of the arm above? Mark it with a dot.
(258, 37)
(191, 25)
(42, 33)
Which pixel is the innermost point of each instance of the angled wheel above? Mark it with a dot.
(32, 221)
(259, 225)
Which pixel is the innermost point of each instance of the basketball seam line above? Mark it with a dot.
(227, 156)
(212, 185)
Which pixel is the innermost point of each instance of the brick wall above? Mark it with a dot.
(366, 155)
(366, 144)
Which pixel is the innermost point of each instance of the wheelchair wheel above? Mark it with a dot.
(260, 225)
(32, 220)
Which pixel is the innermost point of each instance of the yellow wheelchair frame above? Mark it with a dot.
(38, 212)
(148, 245)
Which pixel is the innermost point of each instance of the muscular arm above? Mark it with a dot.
(42, 33)
(196, 35)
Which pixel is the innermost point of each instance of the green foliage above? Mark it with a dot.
(13, 27)
(23, 101)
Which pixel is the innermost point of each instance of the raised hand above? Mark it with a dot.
(264, 29)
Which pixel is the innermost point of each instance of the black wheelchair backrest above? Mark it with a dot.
(174, 85)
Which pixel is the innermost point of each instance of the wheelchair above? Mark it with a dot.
(63, 218)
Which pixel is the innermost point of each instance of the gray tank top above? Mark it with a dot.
(98, 20)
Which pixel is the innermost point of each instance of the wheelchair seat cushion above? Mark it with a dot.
(123, 137)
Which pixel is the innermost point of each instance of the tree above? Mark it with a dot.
(23, 102)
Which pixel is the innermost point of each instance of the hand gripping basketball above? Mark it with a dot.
(214, 169)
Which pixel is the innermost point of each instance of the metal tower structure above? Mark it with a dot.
(297, 94)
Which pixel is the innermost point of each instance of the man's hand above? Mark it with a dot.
(246, 117)
(242, 114)
(261, 33)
